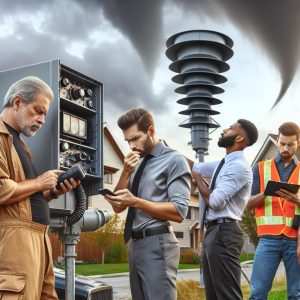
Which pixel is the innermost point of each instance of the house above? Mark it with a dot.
(113, 164)
(187, 232)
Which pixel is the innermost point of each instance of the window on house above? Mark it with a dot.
(108, 178)
(188, 216)
(250, 240)
(178, 234)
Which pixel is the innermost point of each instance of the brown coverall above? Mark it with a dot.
(26, 270)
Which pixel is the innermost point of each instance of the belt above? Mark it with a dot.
(9, 223)
(278, 237)
(140, 234)
(219, 221)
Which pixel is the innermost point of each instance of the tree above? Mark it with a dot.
(104, 237)
(249, 226)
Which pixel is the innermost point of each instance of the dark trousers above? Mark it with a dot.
(221, 251)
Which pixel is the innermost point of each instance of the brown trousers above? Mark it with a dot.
(26, 270)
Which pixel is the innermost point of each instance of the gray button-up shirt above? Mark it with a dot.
(166, 178)
(233, 186)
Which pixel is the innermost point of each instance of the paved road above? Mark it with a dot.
(121, 289)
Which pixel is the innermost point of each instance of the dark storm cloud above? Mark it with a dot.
(30, 47)
(8, 6)
(125, 82)
(115, 63)
(272, 24)
(74, 20)
(141, 22)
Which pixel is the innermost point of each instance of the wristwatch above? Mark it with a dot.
(53, 195)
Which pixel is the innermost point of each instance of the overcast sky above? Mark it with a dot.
(122, 43)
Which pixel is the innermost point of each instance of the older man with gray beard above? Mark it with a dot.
(26, 260)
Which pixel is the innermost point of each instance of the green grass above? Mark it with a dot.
(187, 289)
(278, 291)
(278, 295)
(245, 257)
(98, 269)
(190, 290)
(188, 266)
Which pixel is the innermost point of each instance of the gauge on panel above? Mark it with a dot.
(66, 122)
(74, 125)
(82, 128)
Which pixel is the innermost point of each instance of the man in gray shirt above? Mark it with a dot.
(155, 186)
(226, 199)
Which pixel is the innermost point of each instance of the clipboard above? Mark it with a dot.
(274, 186)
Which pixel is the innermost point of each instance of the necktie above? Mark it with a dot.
(212, 186)
(134, 191)
(213, 182)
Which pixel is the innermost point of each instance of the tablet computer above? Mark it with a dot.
(274, 186)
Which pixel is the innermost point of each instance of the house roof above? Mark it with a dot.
(270, 140)
(109, 169)
(113, 142)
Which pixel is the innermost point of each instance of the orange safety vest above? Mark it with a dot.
(276, 215)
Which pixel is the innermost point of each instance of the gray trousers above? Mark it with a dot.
(153, 263)
(221, 251)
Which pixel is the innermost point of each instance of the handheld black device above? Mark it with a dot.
(76, 172)
(106, 192)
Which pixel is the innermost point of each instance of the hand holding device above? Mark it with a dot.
(106, 192)
(274, 186)
(76, 172)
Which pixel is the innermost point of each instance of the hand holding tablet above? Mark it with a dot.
(274, 186)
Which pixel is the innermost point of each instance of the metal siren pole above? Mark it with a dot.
(199, 56)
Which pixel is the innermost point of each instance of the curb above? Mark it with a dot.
(127, 274)
(108, 275)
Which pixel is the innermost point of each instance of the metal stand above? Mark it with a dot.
(70, 239)
(70, 236)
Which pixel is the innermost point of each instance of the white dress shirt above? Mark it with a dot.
(232, 189)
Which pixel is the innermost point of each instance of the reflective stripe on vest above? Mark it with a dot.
(267, 177)
(276, 215)
(297, 210)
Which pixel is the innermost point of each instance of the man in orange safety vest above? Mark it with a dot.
(276, 217)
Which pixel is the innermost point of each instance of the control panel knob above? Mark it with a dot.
(68, 163)
(90, 159)
(89, 104)
(88, 93)
(82, 156)
(65, 81)
(64, 146)
(77, 93)
(91, 170)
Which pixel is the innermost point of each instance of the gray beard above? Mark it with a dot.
(28, 132)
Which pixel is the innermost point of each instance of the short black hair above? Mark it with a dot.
(250, 129)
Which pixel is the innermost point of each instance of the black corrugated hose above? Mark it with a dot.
(77, 214)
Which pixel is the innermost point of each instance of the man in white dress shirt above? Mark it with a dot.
(226, 199)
